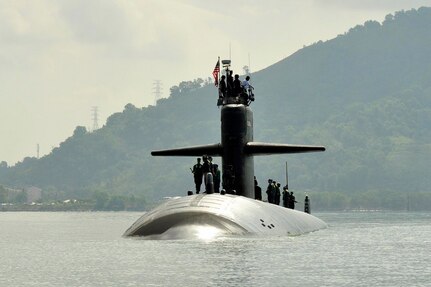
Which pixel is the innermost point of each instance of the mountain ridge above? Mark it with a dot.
(365, 95)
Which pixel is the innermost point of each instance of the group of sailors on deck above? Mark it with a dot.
(274, 194)
(234, 91)
(209, 174)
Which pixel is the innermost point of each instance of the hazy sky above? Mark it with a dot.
(60, 58)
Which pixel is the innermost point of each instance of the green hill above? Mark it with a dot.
(365, 95)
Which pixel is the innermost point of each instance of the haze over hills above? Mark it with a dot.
(365, 95)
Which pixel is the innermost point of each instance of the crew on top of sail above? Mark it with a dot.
(234, 91)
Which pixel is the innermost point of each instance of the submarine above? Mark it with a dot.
(234, 211)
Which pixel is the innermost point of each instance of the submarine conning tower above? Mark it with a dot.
(236, 132)
(237, 147)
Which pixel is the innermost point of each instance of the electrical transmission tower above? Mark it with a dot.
(157, 90)
(246, 70)
(95, 112)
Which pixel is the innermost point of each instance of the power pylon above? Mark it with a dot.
(157, 90)
(95, 113)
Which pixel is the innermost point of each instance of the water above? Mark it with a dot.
(86, 249)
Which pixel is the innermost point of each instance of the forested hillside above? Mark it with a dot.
(365, 95)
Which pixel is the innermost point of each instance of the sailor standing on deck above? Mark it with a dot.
(222, 87)
(292, 201)
(277, 193)
(237, 86)
(274, 191)
(307, 204)
(286, 196)
(257, 190)
(217, 178)
(269, 191)
(208, 176)
(229, 82)
(197, 175)
(246, 84)
(247, 90)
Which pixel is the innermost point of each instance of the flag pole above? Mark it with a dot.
(216, 72)
(218, 75)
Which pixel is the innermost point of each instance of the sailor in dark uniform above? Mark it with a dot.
(257, 190)
(237, 89)
(222, 87)
(286, 197)
(217, 178)
(292, 201)
(197, 175)
(207, 172)
(229, 82)
(269, 191)
(307, 204)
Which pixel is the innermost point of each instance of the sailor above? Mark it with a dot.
(229, 82)
(246, 84)
(292, 201)
(197, 175)
(286, 197)
(307, 204)
(273, 191)
(257, 190)
(269, 191)
(222, 87)
(210, 162)
(247, 90)
(237, 86)
(207, 172)
(277, 193)
(217, 177)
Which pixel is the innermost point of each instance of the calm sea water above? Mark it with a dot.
(86, 249)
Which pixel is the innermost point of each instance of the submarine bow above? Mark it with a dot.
(226, 214)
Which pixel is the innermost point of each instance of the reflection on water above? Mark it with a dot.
(191, 231)
(86, 249)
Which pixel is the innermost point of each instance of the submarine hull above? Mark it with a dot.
(220, 215)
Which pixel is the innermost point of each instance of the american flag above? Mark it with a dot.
(216, 72)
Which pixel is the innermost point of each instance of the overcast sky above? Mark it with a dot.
(60, 58)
